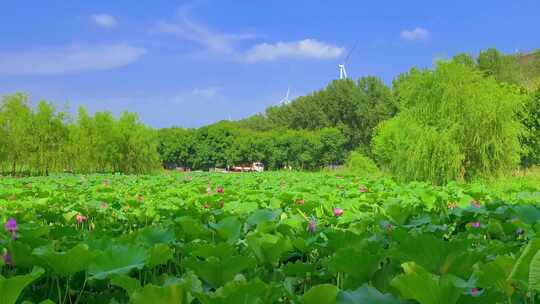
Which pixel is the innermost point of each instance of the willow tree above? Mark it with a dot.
(49, 134)
(453, 123)
(16, 119)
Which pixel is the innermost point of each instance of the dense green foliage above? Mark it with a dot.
(225, 144)
(354, 108)
(358, 163)
(453, 124)
(41, 140)
(522, 69)
(502, 67)
(312, 132)
(265, 238)
(531, 138)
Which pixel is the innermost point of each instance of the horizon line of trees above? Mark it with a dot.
(224, 144)
(40, 140)
(465, 118)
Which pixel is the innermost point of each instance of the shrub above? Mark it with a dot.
(358, 163)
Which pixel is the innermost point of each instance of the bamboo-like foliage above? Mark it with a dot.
(41, 140)
(531, 138)
(453, 124)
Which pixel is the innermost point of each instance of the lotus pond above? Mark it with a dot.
(265, 238)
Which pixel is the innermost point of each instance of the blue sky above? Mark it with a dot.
(190, 63)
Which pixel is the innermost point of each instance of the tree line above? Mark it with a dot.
(226, 144)
(466, 117)
(38, 140)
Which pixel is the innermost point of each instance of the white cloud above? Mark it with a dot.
(69, 59)
(207, 93)
(227, 43)
(198, 33)
(416, 34)
(104, 20)
(307, 48)
(210, 94)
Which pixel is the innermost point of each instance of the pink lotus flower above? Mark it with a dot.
(7, 259)
(474, 291)
(80, 218)
(363, 189)
(475, 224)
(219, 189)
(312, 226)
(11, 225)
(338, 212)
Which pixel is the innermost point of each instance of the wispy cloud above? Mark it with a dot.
(228, 44)
(416, 34)
(211, 94)
(69, 59)
(104, 20)
(190, 30)
(307, 48)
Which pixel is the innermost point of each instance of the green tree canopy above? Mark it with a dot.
(503, 67)
(453, 123)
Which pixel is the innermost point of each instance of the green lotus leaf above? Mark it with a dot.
(365, 294)
(494, 274)
(129, 284)
(118, 259)
(426, 288)
(262, 215)
(192, 227)
(153, 235)
(255, 292)
(66, 263)
(11, 288)
(298, 269)
(220, 250)
(173, 294)
(321, 294)
(217, 271)
(22, 254)
(520, 271)
(228, 228)
(528, 214)
(268, 248)
(359, 265)
(159, 254)
(428, 251)
(534, 272)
